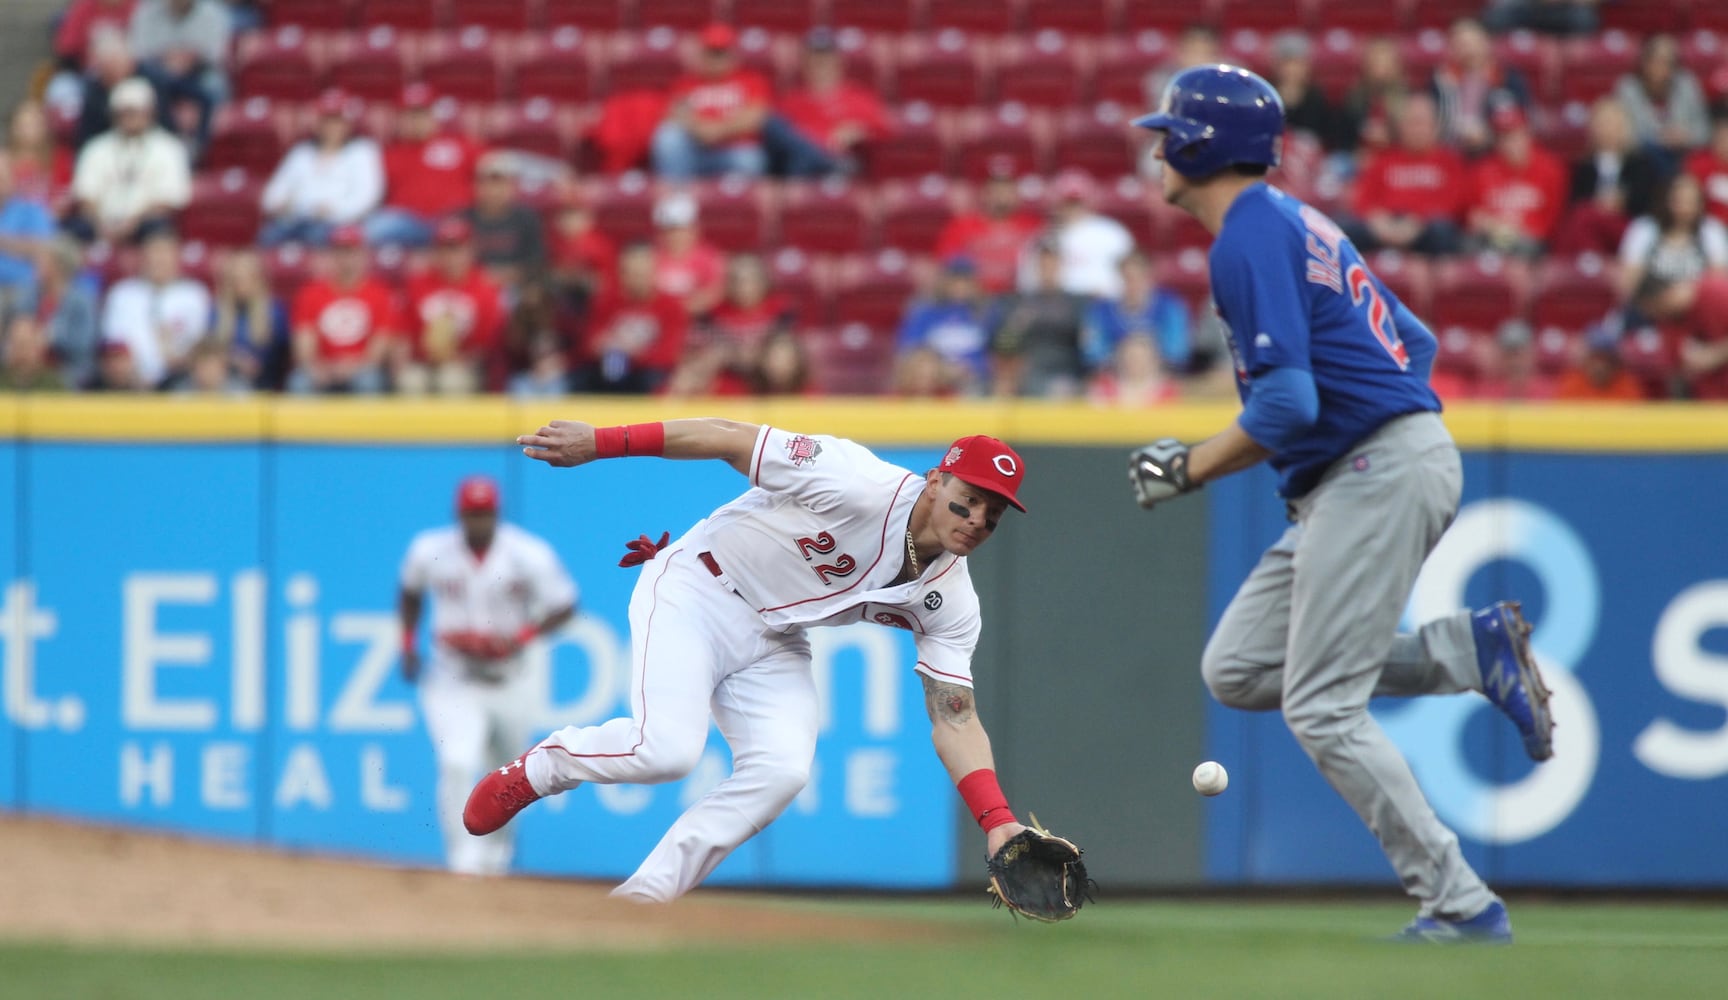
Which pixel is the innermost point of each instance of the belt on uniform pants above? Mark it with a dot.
(707, 559)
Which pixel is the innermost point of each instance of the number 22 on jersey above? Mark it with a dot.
(843, 565)
(1325, 268)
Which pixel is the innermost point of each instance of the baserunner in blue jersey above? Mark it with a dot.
(1333, 374)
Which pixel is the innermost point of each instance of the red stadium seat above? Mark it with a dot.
(684, 14)
(1165, 15)
(853, 360)
(278, 64)
(1078, 17)
(1644, 17)
(1264, 15)
(1557, 349)
(775, 15)
(313, 15)
(559, 67)
(1709, 16)
(597, 15)
(791, 274)
(1045, 71)
(246, 136)
(1572, 293)
(403, 15)
(1123, 66)
(1406, 276)
(984, 17)
(643, 62)
(1129, 201)
(1337, 61)
(826, 217)
(943, 70)
(1420, 53)
(872, 289)
(1564, 131)
(913, 213)
(1441, 13)
(537, 125)
(1652, 357)
(1184, 274)
(1249, 47)
(875, 15)
(1477, 292)
(1704, 52)
(225, 210)
(369, 65)
(1457, 351)
(623, 206)
(981, 137)
(288, 267)
(1590, 67)
(463, 65)
(498, 15)
(919, 145)
(1367, 16)
(736, 214)
(1536, 57)
(1097, 140)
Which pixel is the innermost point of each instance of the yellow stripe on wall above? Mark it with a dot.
(1656, 427)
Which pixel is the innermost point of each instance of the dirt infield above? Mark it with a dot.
(68, 882)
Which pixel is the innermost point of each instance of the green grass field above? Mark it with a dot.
(1174, 949)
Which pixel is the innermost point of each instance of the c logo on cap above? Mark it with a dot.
(1004, 464)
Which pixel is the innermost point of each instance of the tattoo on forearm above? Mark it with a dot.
(948, 703)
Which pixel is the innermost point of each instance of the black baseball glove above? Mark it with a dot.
(1040, 875)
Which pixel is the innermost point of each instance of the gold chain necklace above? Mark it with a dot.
(912, 554)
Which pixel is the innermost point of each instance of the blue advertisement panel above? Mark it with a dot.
(16, 656)
(221, 656)
(1623, 569)
(147, 694)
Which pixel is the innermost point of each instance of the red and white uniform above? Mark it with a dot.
(718, 621)
(480, 712)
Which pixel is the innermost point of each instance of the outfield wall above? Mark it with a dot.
(199, 636)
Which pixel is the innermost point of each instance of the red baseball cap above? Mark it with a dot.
(987, 463)
(477, 494)
(453, 231)
(719, 36)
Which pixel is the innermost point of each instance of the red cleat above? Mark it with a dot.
(500, 795)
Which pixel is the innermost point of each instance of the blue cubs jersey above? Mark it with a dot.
(1294, 293)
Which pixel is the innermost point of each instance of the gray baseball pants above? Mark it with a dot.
(1314, 631)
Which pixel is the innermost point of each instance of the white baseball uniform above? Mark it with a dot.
(717, 626)
(480, 713)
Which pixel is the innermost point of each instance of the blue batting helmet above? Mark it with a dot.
(1214, 117)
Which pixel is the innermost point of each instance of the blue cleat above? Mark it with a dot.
(1509, 675)
(1491, 926)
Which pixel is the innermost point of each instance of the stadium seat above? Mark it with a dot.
(875, 15)
(911, 214)
(1532, 55)
(403, 15)
(1184, 274)
(1556, 349)
(1591, 66)
(464, 65)
(560, 66)
(246, 135)
(623, 206)
(1249, 47)
(288, 267)
(498, 15)
(1572, 293)
(1441, 13)
(826, 217)
(943, 70)
(313, 15)
(1337, 61)
(872, 289)
(982, 136)
(647, 61)
(370, 64)
(1264, 15)
(774, 15)
(1421, 52)
(1643, 17)
(225, 210)
(1652, 357)
(983, 17)
(1564, 131)
(1177, 230)
(1163, 15)
(1129, 201)
(1123, 66)
(595, 15)
(853, 360)
(1477, 292)
(1078, 17)
(791, 273)
(1707, 15)
(735, 214)
(1404, 275)
(537, 125)
(278, 64)
(1097, 140)
(1704, 52)
(1457, 351)
(1366, 16)
(686, 15)
(198, 260)
(1046, 71)
(919, 145)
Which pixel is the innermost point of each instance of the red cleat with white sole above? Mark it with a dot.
(498, 797)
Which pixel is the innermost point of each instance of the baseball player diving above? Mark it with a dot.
(494, 589)
(827, 534)
(1332, 370)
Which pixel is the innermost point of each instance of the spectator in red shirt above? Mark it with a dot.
(838, 114)
(1599, 376)
(343, 324)
(583, 257)
(1710, 165)
(714, 123)
(428, 174)
(724, 354)
(686, 267)
(83, 21)
(454, 317)
(1517, 192)
(41, 167)
(1410, 195)
(637, 333)
(1704, 349)
(995, 234)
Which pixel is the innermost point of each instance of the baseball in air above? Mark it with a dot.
(1210, 778)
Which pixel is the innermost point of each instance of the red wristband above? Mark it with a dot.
(527, 635)
(984, 799)
(630, 440)
(409, 643)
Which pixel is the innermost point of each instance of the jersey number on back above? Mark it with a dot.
(822, 544)
(1324, 267)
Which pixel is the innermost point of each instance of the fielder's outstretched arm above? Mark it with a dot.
(567, 443)
(964, 748)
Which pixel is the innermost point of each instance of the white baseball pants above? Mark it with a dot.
(474, 727)
(697, 649)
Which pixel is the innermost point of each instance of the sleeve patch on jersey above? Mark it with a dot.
(801, 450)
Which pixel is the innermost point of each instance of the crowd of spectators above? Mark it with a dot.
(396, 250)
